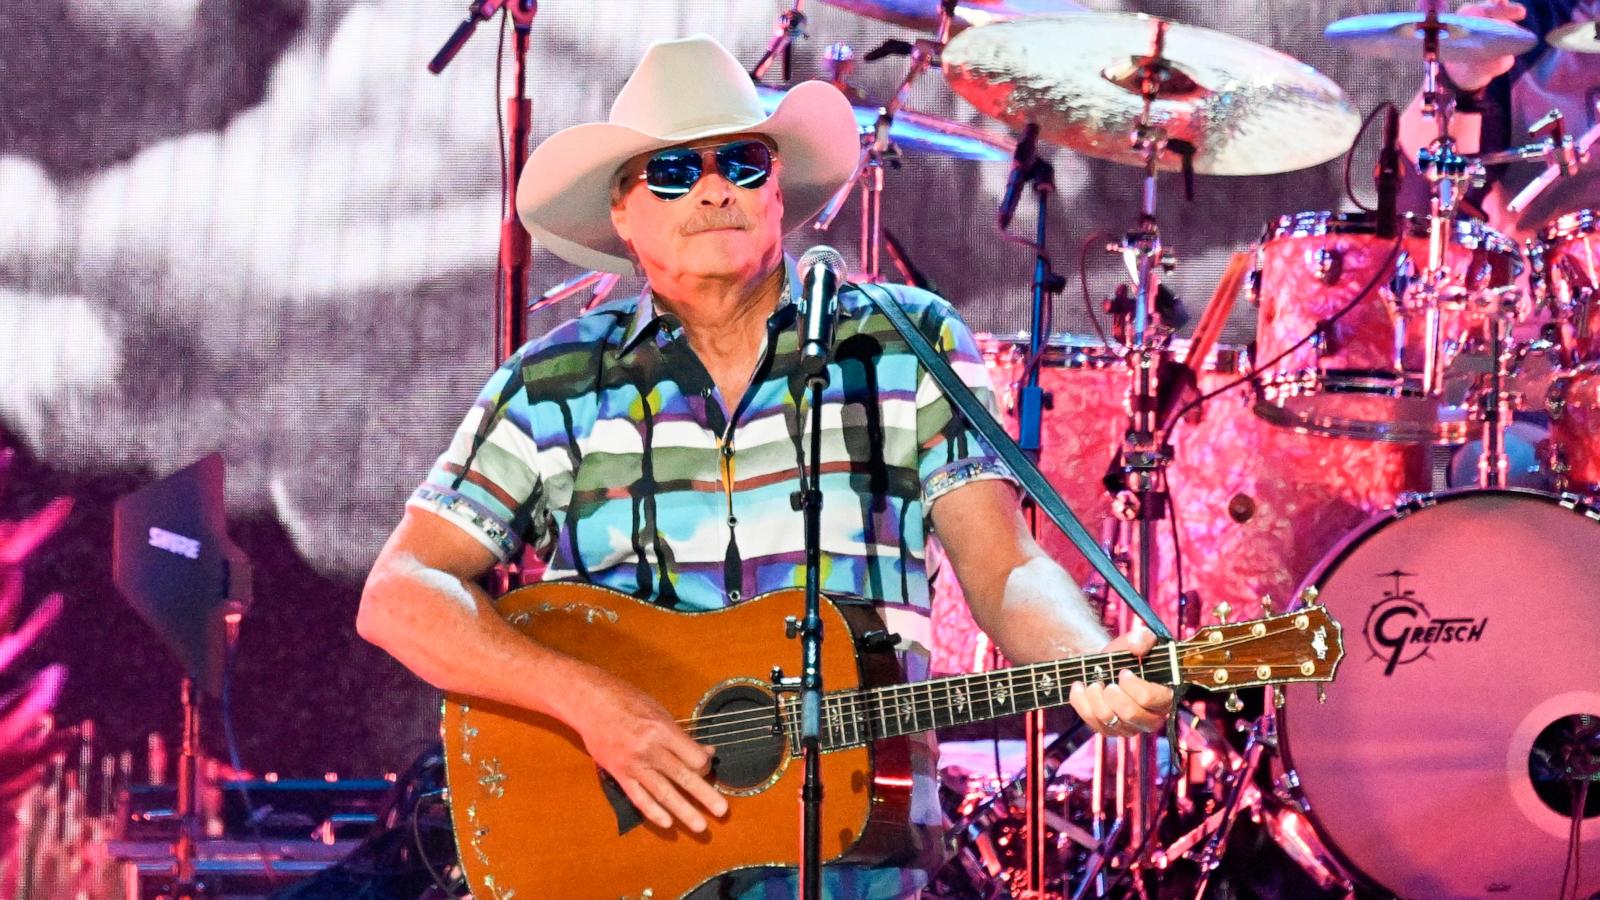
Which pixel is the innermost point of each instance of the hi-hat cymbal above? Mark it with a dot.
(1398, 36)
(1244, 108)
(924, 14)
(919, 133)
(1576, 37)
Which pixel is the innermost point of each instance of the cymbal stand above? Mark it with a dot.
(1447, 171)
(877, 150)
(791, 25)
(1144, 454)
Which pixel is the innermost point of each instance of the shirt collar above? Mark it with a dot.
(648, 320)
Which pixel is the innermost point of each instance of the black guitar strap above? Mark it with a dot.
(1033, 481)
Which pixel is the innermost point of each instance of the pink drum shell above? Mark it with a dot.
(1293, 295)
(1419, 780)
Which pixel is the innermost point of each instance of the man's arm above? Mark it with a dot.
(1032, 608)
(421, 604)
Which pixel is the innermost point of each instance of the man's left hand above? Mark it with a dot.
(1128, 705)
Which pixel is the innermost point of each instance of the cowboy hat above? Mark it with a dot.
(683, 90)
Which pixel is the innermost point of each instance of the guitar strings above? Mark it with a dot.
(940, 693)
(859, 705)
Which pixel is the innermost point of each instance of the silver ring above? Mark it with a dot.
(1114, 721)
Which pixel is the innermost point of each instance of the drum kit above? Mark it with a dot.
(1453, 760)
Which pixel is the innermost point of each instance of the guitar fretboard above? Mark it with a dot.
(854, 718)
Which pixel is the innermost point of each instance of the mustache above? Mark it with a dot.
(708, 219)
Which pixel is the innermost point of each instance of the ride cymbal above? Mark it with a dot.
(1245, 109)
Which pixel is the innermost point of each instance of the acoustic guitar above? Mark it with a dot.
(535, 818)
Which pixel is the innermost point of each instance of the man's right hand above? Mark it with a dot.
(637, 742)
(1470, 76)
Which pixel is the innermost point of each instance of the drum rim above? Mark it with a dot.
(1578, 504)
(1319, 223)
(1442, 432)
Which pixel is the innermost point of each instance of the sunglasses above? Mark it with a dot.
(673, 173)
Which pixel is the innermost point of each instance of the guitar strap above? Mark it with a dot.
(1033, 481)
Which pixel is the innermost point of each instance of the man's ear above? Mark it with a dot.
(619, 221)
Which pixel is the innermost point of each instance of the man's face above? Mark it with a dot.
(717, 230)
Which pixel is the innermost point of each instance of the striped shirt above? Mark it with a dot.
(607, 448)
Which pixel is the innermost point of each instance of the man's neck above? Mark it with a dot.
(722, 317)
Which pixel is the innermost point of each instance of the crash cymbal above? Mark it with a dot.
(1576, 37)
(924, 14)
(918, 133)
(1397, 36)
(1246, 109)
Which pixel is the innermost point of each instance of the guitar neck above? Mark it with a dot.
(853, 718)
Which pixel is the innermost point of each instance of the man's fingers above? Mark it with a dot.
(668, 796)
(695, 785)
(1090, 702)
(694, 755)
(1146, 694)
(644, 803)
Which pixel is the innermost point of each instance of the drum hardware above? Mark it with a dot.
(791, 27)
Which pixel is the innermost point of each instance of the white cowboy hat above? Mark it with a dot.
(683, 90)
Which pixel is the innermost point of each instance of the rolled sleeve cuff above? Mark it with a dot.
(489, 529)
(950, 476)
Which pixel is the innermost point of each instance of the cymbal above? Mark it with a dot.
(919, 133)
(1576, 37)
(1397, 36)
(924, 14)
(1246, 109)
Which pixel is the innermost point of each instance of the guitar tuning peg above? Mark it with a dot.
(1222, 611)
(1322, 694)
(1267, 603)
(1309, 596)
(1233, 704)
(1278, 698)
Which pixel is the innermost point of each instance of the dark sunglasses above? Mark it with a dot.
(673, 173)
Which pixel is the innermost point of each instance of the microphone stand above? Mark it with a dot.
(809, 630)
(516, 245)
(1032, 400)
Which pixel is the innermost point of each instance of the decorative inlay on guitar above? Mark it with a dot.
(538, 819)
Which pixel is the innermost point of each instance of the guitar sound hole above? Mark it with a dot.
(738, 721)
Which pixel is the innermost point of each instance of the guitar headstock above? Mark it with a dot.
(1304, 645)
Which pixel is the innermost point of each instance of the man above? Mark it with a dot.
(653, 444)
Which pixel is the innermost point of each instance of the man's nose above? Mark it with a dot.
(714, 190)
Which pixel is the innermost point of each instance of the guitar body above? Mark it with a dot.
(534, 818)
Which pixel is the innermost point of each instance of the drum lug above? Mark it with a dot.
(1412, 501)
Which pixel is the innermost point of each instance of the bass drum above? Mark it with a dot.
(1470, 688)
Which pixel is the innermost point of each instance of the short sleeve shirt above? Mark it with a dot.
(607, 447)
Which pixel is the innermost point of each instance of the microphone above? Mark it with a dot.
(1388, 175)
(1021, 170)
(821, 276)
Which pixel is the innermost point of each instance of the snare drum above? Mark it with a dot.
(1566, 276)
(1361, 376)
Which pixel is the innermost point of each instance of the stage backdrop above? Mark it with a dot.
(262, 228)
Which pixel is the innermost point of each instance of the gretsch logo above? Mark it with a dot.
(1400, 629)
